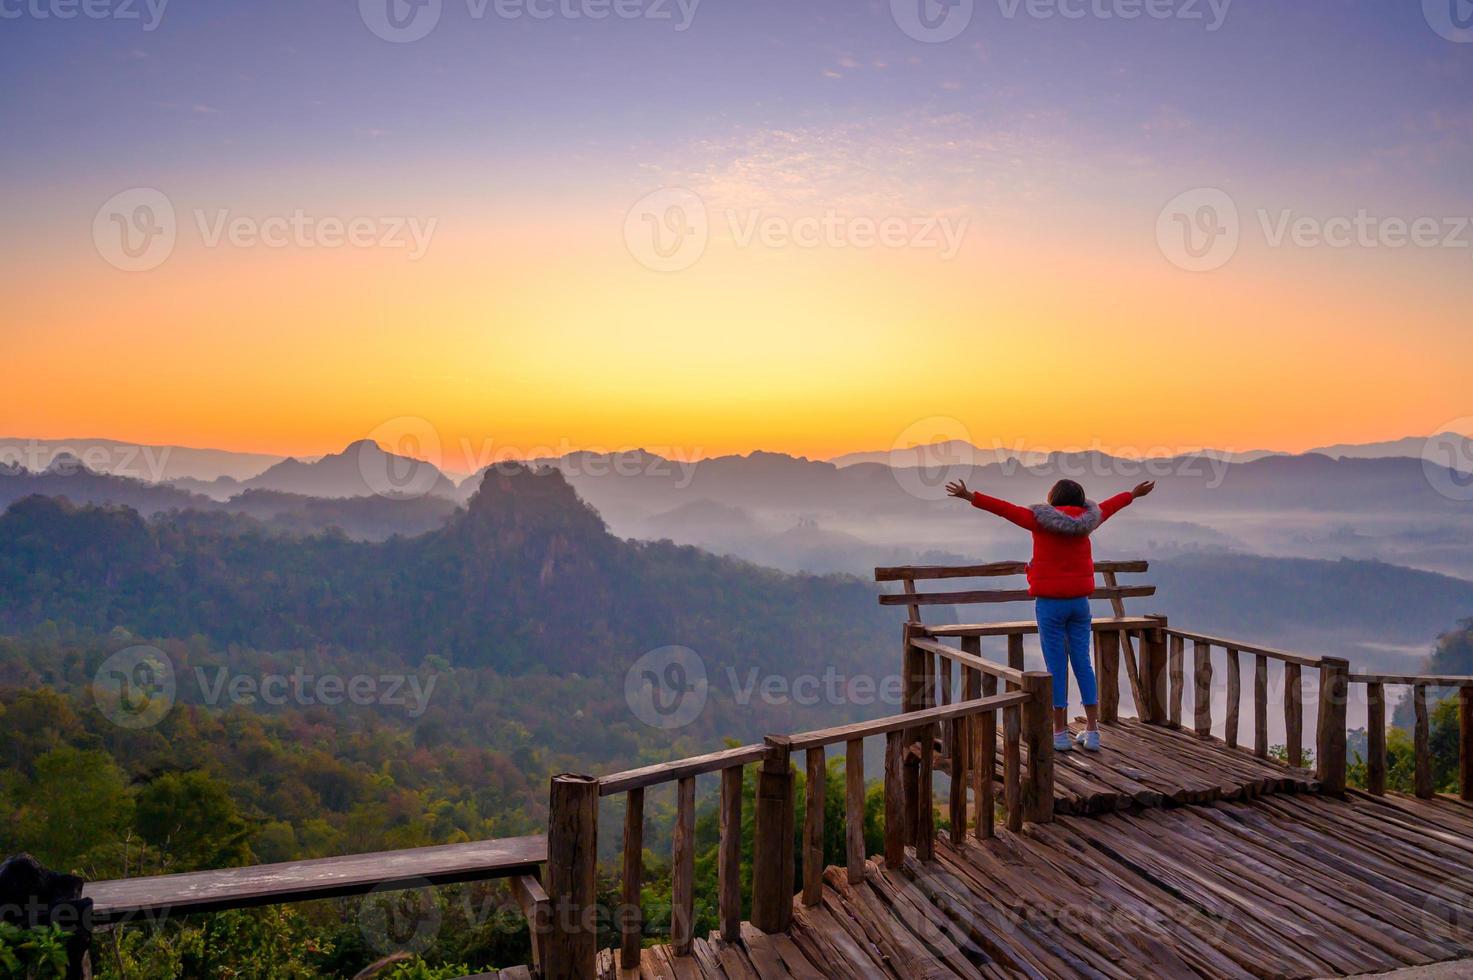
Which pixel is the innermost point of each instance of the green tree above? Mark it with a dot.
(75, 809)
(191, 818)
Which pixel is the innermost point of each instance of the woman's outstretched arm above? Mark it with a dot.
(1110, 507)
(1021, 516)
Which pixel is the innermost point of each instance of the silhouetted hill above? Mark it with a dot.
(362, 469)
(141, 461)
(526, 578)
(66, 476)
(372, 518)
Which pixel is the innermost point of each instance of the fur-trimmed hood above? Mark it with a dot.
(1055, 521)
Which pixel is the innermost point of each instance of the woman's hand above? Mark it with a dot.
(958, 488)
(1142, 489)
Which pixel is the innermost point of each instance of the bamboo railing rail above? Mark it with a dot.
(909, 823)
(1334, 673)
(1422, 782)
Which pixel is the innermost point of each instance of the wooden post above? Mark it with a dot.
(913, 699)
(532, 897)
(1153, 670)
(1376, 739)
(1038, 733)
(729, 857)
(944, 669)
(683, 869)
(1107, 661)
(772, 848)
(1012, 733)
(1294, 715)
(1015, 651)
(913, 609)
(968, 758)
(854, 809)
(1465, 749)
(1329, 745)
(923, 818)
(1422, 781)
(1260, 706)
(925, 800)
(1234, 698)
(894, 799)
(1132, 671)
(631, 918)
(1202, 685)
(572, 858)
(814, 797)
(960, 759)
(1176, 673)
(984, 773)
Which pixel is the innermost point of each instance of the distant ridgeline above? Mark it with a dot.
(527, 577)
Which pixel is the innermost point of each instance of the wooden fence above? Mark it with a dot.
(954, 703)
(969, 724)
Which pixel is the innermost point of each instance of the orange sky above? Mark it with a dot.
(520, 340)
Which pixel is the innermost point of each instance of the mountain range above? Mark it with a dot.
(222, 473)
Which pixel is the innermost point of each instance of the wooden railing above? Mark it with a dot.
(970, 721)
(1335, 680)
(152, 900)
(1330, 727)
(1421, 735)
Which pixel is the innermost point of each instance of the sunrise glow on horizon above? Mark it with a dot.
(508, 288)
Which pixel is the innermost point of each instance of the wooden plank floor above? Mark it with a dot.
(1153, 765)
(1293, 885)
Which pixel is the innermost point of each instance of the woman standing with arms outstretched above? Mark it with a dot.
(1061, 578)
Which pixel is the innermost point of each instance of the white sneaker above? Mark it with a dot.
(1063, 742)
(1089, 741)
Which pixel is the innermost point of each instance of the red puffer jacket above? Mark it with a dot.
(1063, 565)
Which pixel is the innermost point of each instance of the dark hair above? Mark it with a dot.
(1066, 493)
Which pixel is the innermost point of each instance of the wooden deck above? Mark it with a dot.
(1144, 765)
(1283, 885)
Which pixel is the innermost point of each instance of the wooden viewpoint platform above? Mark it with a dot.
(1172, 853)
(1151, 765)
(1280, 885)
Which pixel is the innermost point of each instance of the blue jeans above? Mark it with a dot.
(1064, 628)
